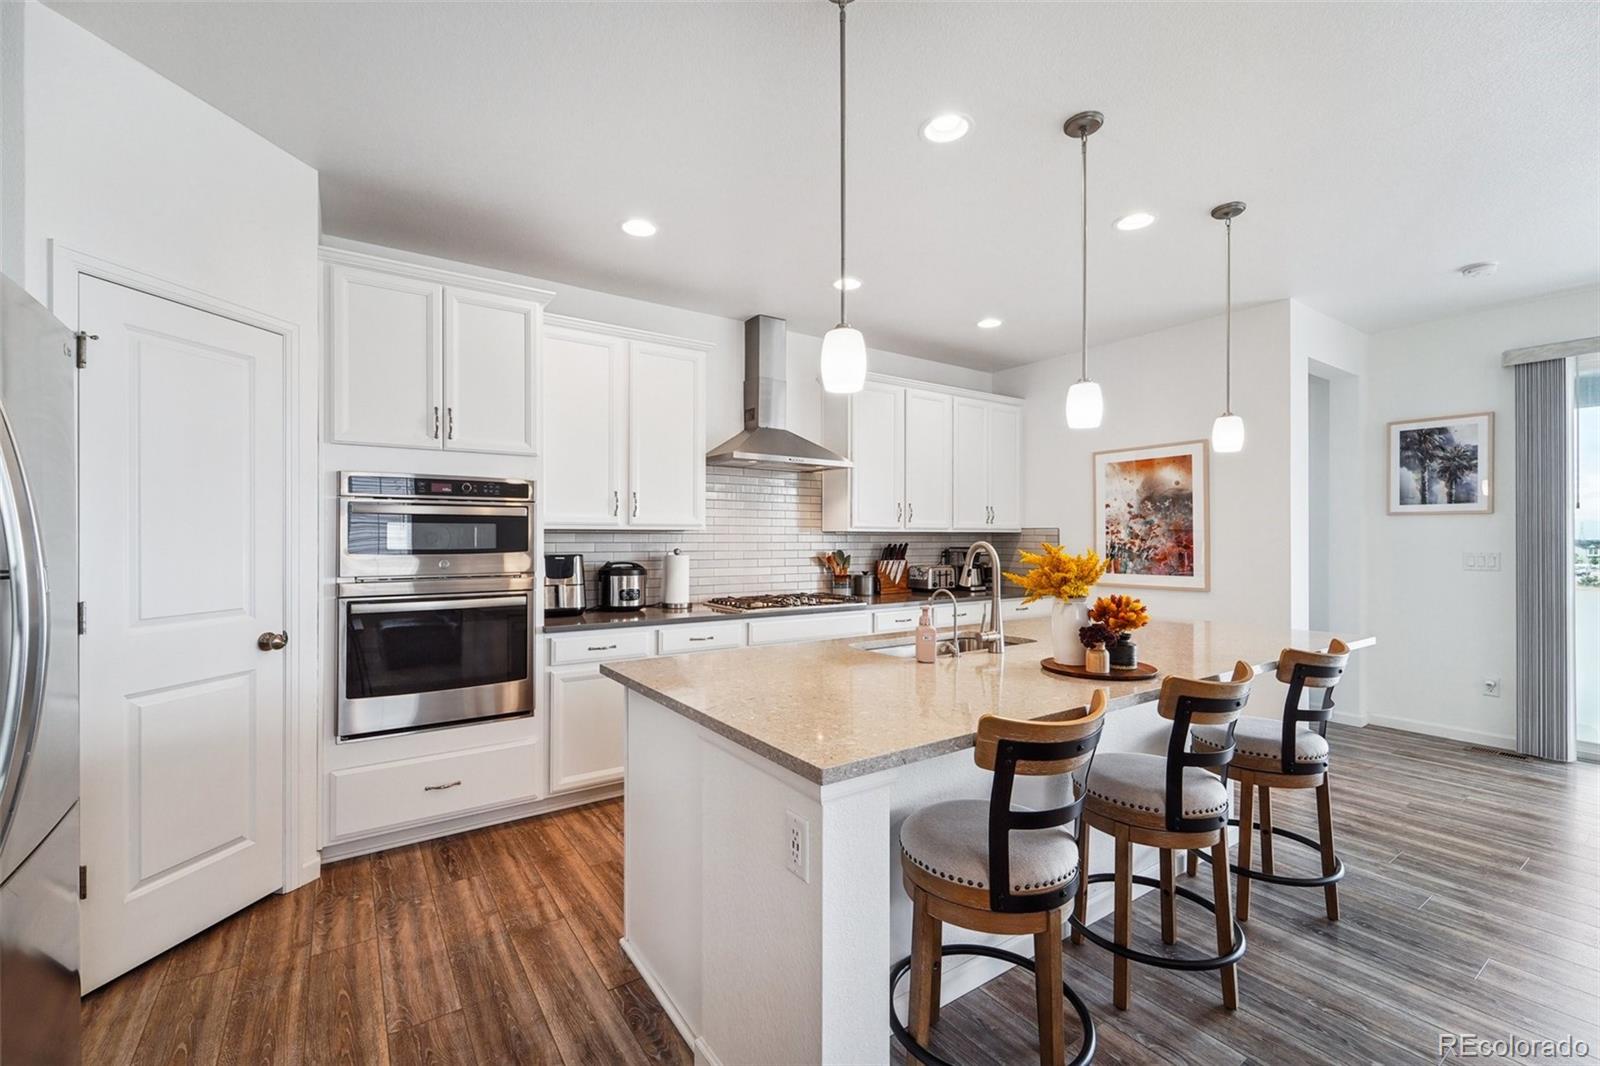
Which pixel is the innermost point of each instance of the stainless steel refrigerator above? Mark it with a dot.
(39, 674)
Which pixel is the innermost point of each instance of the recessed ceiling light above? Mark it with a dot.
(1478, 270)
(989, 323)
(639, 227)
(847, 283)
(1136, 220)
(950, 126)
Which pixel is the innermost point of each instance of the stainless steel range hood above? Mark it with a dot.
(765, 443)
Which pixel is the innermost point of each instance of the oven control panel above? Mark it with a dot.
(418, 486)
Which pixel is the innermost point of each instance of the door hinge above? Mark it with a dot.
(83, 338)
(83, 882)
(83, 618)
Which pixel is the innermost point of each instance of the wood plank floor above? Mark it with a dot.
(1472, 904)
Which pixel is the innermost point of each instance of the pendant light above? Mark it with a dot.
(1227, 432)
(1085, 406)
(844, 350)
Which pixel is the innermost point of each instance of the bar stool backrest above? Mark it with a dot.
(1010, 747)
(1301, 670)
(1187, 702)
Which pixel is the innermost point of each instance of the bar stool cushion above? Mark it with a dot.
(951, 841)
(1138, 782)
(1258, 743)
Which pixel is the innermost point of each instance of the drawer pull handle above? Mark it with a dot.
(602, 647)
(700, 640)
(439, 788)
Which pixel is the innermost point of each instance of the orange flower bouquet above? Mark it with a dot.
(1067, 581)
(1122, 615)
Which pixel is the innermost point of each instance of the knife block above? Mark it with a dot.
(892, 575)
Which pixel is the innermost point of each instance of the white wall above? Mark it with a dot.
(104, 156)
(1164, 387)
(1441, 630)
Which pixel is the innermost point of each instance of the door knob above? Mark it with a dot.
(273, 641)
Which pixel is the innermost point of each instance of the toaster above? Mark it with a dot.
(931, 578)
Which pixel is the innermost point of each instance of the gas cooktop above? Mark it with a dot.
(779, 601)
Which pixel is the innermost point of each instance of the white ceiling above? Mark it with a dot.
(1378, 146)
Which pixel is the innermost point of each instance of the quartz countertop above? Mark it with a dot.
(834, 710)
(661, 616)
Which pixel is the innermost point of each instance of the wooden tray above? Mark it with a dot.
(1142, 672)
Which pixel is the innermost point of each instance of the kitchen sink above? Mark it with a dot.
(907, 649)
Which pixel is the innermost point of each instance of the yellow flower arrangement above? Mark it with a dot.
(1121, 614)
(1058, 574)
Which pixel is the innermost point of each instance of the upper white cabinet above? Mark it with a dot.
(624, 428)
(425, 358)
(925, 458)
(988, 465)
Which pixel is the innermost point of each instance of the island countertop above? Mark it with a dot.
(834, 710)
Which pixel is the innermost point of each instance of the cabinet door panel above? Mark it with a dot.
(971, 464)
(586, 728)
(1005, 467)
(877, 448)
(584, 397)
(928, 460)
(490, 358)
(386, 353)
(666, 437)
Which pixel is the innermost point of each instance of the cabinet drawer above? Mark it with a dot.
(809, 627)
(369, 799)
(682, 638)
(1017, 609)
(602, 645)
(899, 619)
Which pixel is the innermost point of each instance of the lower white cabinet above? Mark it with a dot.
(710, 636)
(809, 627)
(1010, 609)
(586, 728)
(389, 795)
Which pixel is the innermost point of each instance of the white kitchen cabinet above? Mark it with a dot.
(587, 714)
(928, 444)
(624, 428)
(666, 436)
(389, 795)
(708, 636)
(386, 352)
(809, 627)
(426, 358)
(491, 364)
(924, 457)
(585, 392)
(988, 465)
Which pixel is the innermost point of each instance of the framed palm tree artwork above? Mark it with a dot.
(1442, 465)
(1154, 516)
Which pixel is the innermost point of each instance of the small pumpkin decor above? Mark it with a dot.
(1067, 580)
(1096, 638)
(1122, 615)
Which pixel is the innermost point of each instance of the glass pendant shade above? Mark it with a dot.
(844, 360)
(1227, 434)
(1085, 406)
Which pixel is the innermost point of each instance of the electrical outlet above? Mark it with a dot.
(797, 834)
(1491, 687)
(1491, 560)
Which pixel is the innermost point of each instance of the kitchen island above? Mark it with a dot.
(765, 789)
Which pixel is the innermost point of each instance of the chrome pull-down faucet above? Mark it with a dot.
(996, 637)
(955, 641)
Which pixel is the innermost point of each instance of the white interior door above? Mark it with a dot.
(928, 460)
(584, 404)
(182, 457)
(490, 355)
(971, 464)
(877, 448)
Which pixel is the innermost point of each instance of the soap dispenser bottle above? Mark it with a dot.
(927, 637)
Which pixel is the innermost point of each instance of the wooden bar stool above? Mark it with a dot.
(1171, 803)
(960, 864)
(1274, 753)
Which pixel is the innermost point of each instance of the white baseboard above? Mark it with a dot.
(703, 1055)
(349, 849)
(1449, 732)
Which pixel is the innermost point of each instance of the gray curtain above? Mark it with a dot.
(1546, 703)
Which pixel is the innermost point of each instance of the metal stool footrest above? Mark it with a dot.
(1086, 1049)
(1166, 962)
(1284, 879)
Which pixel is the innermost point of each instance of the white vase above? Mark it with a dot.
(1066, 618)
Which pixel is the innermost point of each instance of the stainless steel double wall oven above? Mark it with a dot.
(436, 582)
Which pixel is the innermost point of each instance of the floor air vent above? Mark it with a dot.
(1481, 750)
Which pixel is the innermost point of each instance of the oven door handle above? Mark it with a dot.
(403, 606)
(448, 509)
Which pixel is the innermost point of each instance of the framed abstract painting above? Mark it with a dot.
(1442, 465)
(1153, 516)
